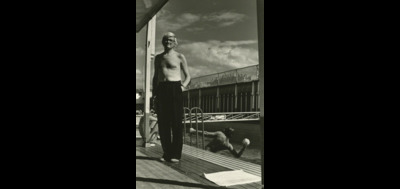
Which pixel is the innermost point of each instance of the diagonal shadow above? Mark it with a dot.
(172, 182)
(147, 158)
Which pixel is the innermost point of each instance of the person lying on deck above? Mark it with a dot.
(221, 141)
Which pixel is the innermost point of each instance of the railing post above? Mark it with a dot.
(245, 101)
(184, 123)
(197, 110)
(222, 102)
(236, 97)
(188, 99)
(258, 96)
(197, 128)
(241, 102)
(190, 120)
(217, 100)
(252, 100)
(199, 98)
(212, 104)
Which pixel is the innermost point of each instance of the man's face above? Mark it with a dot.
(169, 42)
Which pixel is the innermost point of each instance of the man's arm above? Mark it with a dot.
(185, 70)
(233, 151)
(153, 122)
(152, 118)
(206, 133)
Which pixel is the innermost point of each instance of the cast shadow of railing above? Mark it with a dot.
(147, 158)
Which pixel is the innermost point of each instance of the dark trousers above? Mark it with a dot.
(170, 113)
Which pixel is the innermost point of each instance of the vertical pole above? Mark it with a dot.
(223, 104)
(252, 101)
(258, 95)
(212, 104)
(150, 51)
(245, 101)
(236, 97)
(234, 109)
(189, 106)
(207, 104)
(241, 102)
(231, 102)
(260, 26)
(200, 105)
(217, 101)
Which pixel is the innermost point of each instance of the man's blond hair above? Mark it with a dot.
(168, 35)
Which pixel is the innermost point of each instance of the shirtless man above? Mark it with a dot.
(167, 89)
(221, 141)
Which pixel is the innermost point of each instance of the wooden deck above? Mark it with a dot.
(151, 173)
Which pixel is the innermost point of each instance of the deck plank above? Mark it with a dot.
(194, 167)
(158, 175)
(229, 162)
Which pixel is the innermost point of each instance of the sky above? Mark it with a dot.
(214, 35)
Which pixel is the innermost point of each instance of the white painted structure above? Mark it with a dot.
(145, 14)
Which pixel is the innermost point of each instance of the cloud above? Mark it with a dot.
(139, 79)
(139, 51)
(195, 29)
(209, 57)
(215, 56)
(225, 18)
(168, 21)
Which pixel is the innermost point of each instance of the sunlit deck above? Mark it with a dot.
(151, 173)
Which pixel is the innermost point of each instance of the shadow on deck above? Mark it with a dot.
(188, 173)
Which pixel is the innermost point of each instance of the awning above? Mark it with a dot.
(145, 10)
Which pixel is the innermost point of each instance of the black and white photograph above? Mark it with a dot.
(213, 104)
(199, 94)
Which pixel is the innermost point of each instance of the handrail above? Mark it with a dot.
(197, 125)
(226, 116)
(194, 118)
(196, 114)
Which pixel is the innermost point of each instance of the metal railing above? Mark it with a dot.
(240, 75)
(194, 117)
(225, 116)
(215, 117)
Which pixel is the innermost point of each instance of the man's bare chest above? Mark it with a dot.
(170, 62)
